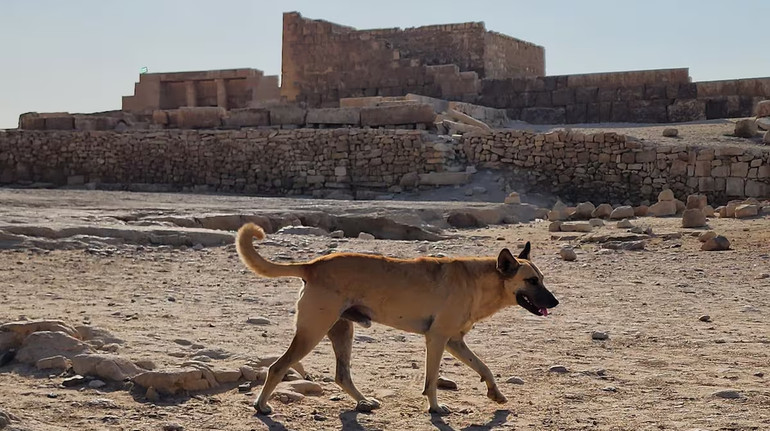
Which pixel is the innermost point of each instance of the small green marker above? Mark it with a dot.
(143, 70)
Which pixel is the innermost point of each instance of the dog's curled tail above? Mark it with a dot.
(257, 263)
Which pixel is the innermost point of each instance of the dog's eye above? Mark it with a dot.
(533, 280)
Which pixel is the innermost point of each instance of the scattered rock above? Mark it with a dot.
(598, 335)
(662, 209)
(763, 108)
(610, 389)
(670, 132)
(624, 224)
(6, 357)
(54, 362)
(73, 381)
(696, 202)
(337, 234)
(217, 354)
(173, 427)
(555, 226)
(568, 253)
(708, 211)
(574, 226)
(173, 381)
(463, 220)
(596, 222)
(584, 210)
(666, 195)
(515, 380)
(692, 218)
(729, 394)
(766, 136)
(304, 387)
(705, 318)
(513, 198)
(445, 383)
(152, 395)
(746, 128)
(244, 387)
(302, 230)
(258, 375)
(717, 243)
(45, 344)
(108, 367)
(258, 321)
(6, 418)
(622, 212)
(560, 369)
(602, 211)
(641, 210)
(96, 384)
(746, 211)
(705, 236)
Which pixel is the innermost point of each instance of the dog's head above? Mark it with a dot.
(522, 278)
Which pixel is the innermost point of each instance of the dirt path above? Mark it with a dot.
(658, 369)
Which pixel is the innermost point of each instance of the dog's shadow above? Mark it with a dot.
(349, 421)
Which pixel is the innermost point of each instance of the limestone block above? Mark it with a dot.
(411, 113)
(282, 115)
(247, 117)
(350, 116)
(200, 117)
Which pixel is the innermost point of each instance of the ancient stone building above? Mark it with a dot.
(324, 62)
(228, 88)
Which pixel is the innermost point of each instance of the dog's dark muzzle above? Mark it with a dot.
(538, 302)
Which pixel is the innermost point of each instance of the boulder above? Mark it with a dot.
(45, 344)
(247, 117)
(696, 202)
(641, 210)
(602, 211)
(680, 206)
(54, 362)
(513, 198)
(559, 212)
(584, 210)
(107, 367)
(708, 210)
(21, 329)
(717, 243)
(763, 109)
(746, 211)
(766, 137)
(463, 220)
(622, 212)
(575, 226)
(670, 132)
(705, 236)
(662, 209)
(763, 123)
(746, 128)
(568, 254)
(287, 115)
(173, 381)
(666, 195)
(694, 217)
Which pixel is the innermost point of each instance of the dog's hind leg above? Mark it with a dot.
(313, 322)
(435, 345)
(457, 347)
(341, 336)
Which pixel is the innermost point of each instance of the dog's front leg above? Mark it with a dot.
(457, 347)
(435, 346)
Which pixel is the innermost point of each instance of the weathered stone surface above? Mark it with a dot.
(45, 344)
(444, 178)
(622, 212)
(746, 211)
(287, 115)
(746, 128)
(763, 123)
(53, 362)
(247, 117)
(717, 243)
(686, 110)
(602, 211)
(763, 109)
(666, 195)
(170, 382)
(513, 198)
(662, 209)
(201, 117)
(584, 210)
(411, 113)
(575, 226)
(108, 367)
(670, 132)
(334, 116)
(693, 217)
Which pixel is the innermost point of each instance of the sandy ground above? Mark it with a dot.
(659, 368)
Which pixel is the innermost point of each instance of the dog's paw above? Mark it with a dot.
(367, 405)
(440, 409)
(263, 410)
(495, 395)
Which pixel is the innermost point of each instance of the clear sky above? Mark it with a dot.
(83, 55)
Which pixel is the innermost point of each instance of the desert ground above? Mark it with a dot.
(659, 368)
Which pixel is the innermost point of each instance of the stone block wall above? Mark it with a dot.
(252, 161)
(607, 166)
(324, 62)
(602, 167)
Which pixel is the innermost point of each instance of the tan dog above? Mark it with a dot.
(440, 298)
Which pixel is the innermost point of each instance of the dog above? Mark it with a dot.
(440, 298)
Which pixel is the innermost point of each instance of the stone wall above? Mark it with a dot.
(607, 166)
(645, 96)
(324, 62)
(600, 167)
(227, 88)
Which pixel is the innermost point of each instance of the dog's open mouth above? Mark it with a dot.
(523, 300)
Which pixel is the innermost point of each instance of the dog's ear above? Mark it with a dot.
(507, 265)
(525, 253)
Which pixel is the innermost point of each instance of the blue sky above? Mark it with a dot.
(83, 55)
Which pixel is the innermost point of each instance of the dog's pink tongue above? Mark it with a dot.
(544, 311)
